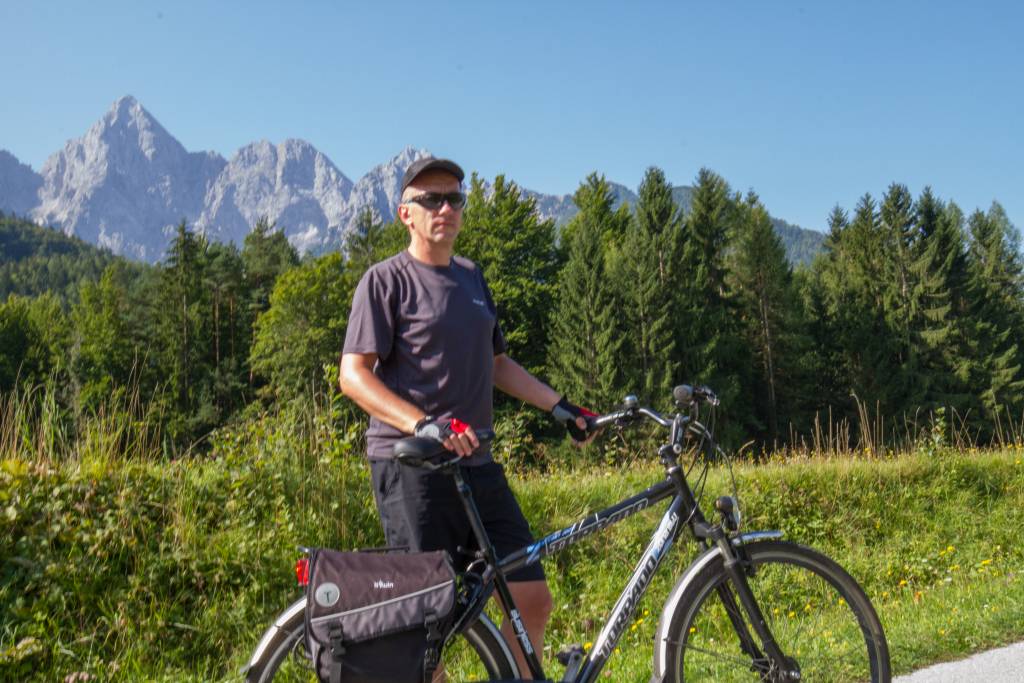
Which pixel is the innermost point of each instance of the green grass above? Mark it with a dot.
(137, 568)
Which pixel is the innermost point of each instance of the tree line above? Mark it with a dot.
(912, 306)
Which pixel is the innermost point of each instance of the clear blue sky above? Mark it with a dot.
(808, 103)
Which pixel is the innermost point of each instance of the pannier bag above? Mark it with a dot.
(377, 617)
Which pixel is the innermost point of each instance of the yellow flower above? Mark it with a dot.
(587, 645)
(986, 562)
(903, 582)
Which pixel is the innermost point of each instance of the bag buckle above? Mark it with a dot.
(335, 635)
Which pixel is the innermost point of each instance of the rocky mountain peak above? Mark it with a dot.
(125, 183)
(19, 185)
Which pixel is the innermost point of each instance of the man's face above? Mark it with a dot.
(437, 226)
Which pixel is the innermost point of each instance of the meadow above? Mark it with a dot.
(121, 564)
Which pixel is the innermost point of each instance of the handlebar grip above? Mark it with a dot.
(683, 394)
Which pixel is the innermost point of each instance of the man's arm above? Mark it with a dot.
(514, 380)
(357, 381)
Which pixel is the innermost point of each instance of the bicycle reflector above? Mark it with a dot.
(302, 571)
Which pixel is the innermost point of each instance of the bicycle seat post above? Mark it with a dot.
(477, 524)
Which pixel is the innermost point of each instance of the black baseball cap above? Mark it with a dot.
(429, 164)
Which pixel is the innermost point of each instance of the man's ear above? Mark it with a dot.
(403, 213)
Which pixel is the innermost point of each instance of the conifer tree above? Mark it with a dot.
(503, 234)
(763, 281)
(266, 254)
(646, 272)
(825, 364)
(371, 241)
(183, 333)
(585, 350)
(946, 332)
(712, 351)
(996, 284)
(909, 383)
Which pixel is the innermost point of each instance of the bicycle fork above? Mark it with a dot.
(777, 666)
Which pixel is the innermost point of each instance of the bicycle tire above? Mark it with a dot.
(478, 654)
(816, 611)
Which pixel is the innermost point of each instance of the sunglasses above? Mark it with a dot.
(433, 201)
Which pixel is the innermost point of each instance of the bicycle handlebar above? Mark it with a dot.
(684, 395)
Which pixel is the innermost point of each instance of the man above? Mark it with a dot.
(422, 355)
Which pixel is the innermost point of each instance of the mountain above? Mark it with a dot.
(127, 183)
(19, 185)
(291, 183)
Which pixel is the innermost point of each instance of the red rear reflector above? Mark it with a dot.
(302, 571)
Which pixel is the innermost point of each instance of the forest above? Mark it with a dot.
(904, 327)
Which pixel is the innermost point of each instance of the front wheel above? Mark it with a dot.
(821, 619)
(479, 654)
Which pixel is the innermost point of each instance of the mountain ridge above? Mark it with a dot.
(127, 182)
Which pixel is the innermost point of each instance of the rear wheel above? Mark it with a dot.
(820, 618)
(479, 654)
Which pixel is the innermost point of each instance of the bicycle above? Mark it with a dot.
(750, 606)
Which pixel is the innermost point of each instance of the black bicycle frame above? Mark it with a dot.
(682, 510)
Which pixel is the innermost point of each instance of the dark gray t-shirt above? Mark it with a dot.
(435, 332)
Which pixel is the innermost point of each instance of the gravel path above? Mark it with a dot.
(1003, 665)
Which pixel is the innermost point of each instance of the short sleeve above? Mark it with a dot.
(371, 322)
(497, 338)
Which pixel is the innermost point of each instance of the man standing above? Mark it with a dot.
(422, 355)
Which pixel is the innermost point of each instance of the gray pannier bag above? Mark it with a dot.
(377, 617)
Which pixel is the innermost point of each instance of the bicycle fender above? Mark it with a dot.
(684, 582)
(285, 616)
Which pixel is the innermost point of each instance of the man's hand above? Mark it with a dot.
(573, 418)
(456, 435)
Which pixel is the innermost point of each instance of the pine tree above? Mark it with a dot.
(711, 351)
(763, 281)
(909, 384)
(586, 343)
(996, 287)
(646, 273)
(503, 234)
(946, 330)
(371, 241)
(184, 333)
(266, 254)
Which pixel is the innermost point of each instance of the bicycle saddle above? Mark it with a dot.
(418, 451)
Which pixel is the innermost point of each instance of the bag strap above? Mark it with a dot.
(432, 655)
(335, 636)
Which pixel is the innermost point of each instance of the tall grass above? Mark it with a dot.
(125, 564)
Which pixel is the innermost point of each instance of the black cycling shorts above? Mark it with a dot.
(422, 510)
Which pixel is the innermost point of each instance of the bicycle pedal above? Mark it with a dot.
(570, 653)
